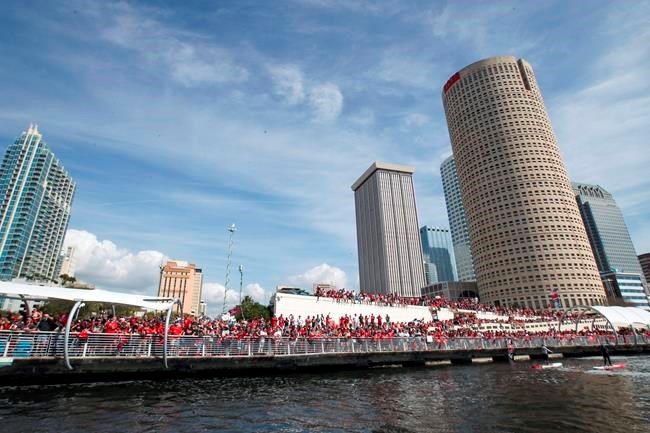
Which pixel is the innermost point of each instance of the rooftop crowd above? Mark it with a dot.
(469, 304)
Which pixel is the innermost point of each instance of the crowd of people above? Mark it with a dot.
(310, 327)
(391, 300)
(437, 302)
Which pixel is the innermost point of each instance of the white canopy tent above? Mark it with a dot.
(616, 317)
(36, 292)
(625, 317)
(25, 291)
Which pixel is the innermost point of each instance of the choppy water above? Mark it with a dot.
(486, 398)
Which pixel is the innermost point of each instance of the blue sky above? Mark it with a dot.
(177, 119)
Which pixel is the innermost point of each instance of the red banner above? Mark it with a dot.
(450, 82)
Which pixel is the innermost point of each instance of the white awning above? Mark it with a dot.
(624, 317)
(34, 292)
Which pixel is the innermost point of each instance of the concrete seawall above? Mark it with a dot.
(22, 371)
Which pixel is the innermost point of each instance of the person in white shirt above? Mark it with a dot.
(263, 335)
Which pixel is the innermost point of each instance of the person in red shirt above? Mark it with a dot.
(175, 329)
(111, 326)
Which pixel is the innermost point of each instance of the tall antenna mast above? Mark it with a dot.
(241, 285)
(232, 229)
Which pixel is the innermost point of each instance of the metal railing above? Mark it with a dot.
(18, 344)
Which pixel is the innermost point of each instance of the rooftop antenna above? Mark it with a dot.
(241, 285)
(232, 229)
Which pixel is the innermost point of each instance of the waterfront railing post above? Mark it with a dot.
(68, 325)
(45, 344)
(7, 344)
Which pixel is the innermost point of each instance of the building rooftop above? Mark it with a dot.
(377, 165)
(590, 190)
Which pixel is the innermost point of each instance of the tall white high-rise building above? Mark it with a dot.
(36, 194)
(388, 238)
(68, 262)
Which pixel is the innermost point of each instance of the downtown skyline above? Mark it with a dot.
(263, 117)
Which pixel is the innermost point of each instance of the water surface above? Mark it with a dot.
(486, 398)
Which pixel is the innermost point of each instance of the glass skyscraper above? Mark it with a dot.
(438, 251)
(608, 234)
(625, 287)
(612, 245)
(457, 221)
(36, 194)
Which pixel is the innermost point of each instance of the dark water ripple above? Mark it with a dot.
(492, 398)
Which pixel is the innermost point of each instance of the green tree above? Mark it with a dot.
(67, 280)
(252, 310)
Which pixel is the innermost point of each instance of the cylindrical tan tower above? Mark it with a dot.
(526, 232)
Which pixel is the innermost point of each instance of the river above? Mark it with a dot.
(473, 398)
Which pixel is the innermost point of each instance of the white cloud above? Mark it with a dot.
(213, 295)
(404, 66)
(288, 83)
(385, 7)
(603, 126)
(415, 120)
(364, 117)
(104, 264)
(326, 102)
(190, 60)
(475, 27)
(257, 292)
(323, 273)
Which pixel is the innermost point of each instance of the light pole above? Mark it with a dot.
(241, 285)
(232, 229)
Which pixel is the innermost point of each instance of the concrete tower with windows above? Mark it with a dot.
(37, 196)
(390, 252)
(526, 231)
(182, 280)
